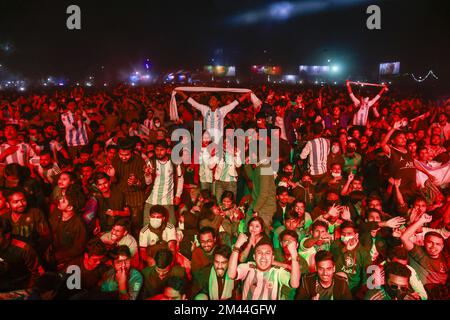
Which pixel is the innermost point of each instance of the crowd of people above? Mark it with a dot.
(92, 205)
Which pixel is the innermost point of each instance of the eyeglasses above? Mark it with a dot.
(399, 288)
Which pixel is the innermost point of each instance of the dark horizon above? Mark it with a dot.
(182, 35)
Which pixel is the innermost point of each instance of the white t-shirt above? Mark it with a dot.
(148, 238)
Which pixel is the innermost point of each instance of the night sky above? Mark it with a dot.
(188, 34)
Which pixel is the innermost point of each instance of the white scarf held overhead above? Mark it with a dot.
(173, 102)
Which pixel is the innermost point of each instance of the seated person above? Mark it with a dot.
(119, 236)
(158, 229)
(213, 282)
(19, 263)
(175, 289)
(396, 285)
(155, 276)
(263, 265)
(324, 284)
(122, 281)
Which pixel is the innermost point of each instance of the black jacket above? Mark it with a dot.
(307, 289)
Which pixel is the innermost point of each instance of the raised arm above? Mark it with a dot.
(384, 144)
(378, 96)
(350, 92)
(233, 262)
(406, 236)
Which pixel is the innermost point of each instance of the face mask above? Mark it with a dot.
(346, 239)
(155, 222)
(181, 225)
(335, 149)
(335, 174)
(157, 124)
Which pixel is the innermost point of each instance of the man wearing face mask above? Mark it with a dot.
(352, 159)
(352, 259)
(333, 180)
(335, 156)
(396, 285)
(157, 229)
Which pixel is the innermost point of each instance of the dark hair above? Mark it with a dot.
(319, 223)
(14, 169)
(162, 144)
(260, 220)
(101, 175)
(434, 234)
(111, 146)
(157, 208)
(398, 252)
(348, 224)
(227, 194)
(122, 222)
(122, 250)
(88, 163)
(262, 242)
(287, 232)
(75, 197)
(45, 151)
(317, 128)
(398, 269)
(206, 194)
(176, 283)
(323, 255)
(96, 247)
(281, 190)
(12, 191)
(291, 214)
(163, 258)
(206, 230)
(125, 144)
(86, 149)
(207, 212)
(223, 250)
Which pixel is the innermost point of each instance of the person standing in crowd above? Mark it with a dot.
(318, 150)
(363, 106)
(76, 123)
(167, 182)
(131, 180)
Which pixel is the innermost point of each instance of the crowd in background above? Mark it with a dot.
(358, 207)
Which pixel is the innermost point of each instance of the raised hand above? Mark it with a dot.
(345, 213)
(242, 238)
(351, 244)
(395, 223)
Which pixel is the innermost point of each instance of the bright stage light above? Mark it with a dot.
(335, 68)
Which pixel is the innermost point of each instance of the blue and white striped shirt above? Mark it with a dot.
(76, 134)
(318, 150)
